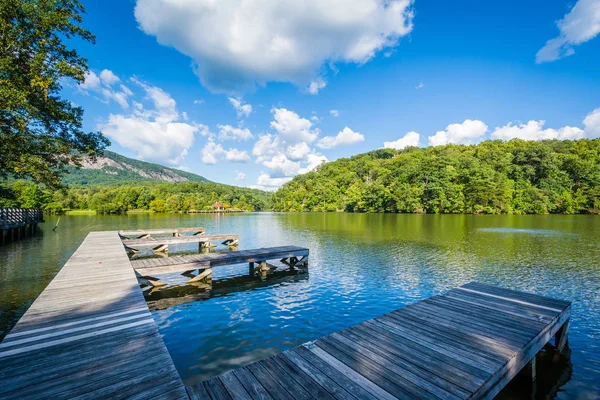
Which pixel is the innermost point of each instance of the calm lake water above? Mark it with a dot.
(361, 266)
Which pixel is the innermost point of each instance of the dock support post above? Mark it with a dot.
(251, 268)
(562, 337)
(206, 274)
(162, 248)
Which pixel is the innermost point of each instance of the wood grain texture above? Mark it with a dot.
(466, 344)
(84, 338)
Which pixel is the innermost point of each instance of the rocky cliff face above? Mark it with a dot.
(109, 166)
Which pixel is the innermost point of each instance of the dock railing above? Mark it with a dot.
(15, 217)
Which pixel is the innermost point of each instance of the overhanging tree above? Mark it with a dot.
(40, 132)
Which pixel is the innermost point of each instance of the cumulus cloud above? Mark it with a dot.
(228, 132)
(265, 181)
(345, 137)
(411, 139)
(298, 151)
(101, 85)
(591, 124)
(240, 176)
(155, 134)
(237, 45)
(334, 113)
(237, 156)
(469, 132)
(313, 161)
(578, 26)
(108, 77)
(316, 85)
(532, 130)
(242, 109)
(291, 127)
(211, 152)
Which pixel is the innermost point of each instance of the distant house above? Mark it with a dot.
(218, 206)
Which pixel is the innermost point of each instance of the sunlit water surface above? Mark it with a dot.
(361, 266)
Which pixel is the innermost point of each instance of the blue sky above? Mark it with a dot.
(253, 94)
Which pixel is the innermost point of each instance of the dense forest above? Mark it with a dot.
(153, 196)
(493, 177)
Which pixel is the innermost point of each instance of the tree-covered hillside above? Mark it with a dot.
(492, 177)
(153, 196)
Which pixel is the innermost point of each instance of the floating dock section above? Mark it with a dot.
(466, 344)
(90, 335)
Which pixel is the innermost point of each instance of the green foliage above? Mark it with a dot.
(40, 132)
(494, 177)
(158, 197)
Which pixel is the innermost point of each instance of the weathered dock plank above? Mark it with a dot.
(156, 242)
(81, 338)
(466, 344)
(162, 231)
(196, 261)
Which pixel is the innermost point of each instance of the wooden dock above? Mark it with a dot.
(291, 255)
(84, 338)
(162, 244)
(146, 233)
(466, 344)
(90, 335)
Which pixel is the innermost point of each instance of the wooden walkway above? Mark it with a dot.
(163, 243)
(140, 233)
(84, 339)
(466, 344)
(202, 261)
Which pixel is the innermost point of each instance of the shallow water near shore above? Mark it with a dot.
(360, 266)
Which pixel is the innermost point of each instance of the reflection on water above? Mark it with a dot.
(361, 266)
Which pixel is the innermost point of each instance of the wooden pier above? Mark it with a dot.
(203, 241)
(90, 335)
(466, 344)
(82, 337)
(290, 255)
(16, 223)
(147, 233)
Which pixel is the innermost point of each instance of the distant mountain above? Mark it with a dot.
(115, 169)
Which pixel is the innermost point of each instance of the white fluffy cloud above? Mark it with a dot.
(345, 137)
(334, 113)
(280, 165)
(297, 152)
(316, 85)
(102, 86)
(469, 132)
(228, 132)
(237, 156)
(155, 134)
(265, 181)
(532, 130)
(108, 77)
(211, 152)
(236, 45)
(410, 139)
(591, 124)
(291, 127)
(581, 24)
(240, 176)
(242, 109)
(313, 161)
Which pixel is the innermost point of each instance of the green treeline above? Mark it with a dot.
(493, 177)
(159, 197)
